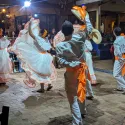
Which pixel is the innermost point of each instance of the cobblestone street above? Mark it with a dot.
(28, 107)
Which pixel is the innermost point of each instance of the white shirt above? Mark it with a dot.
(71, 53)
(119, 46)
(4, 43)
(88, 46)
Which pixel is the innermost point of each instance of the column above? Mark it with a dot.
(98, 17)
(98, 24)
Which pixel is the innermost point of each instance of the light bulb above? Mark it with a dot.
(27, 4)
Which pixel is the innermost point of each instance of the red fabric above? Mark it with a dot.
(112, 49)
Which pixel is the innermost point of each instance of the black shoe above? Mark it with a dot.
(41, 90)
(2, 84)
(83, 116)
(89, 97)
(49, 87)
(119, 90)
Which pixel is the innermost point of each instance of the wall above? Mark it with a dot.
(122, 17)
(80, 2)
(120, 7)
(18, 11)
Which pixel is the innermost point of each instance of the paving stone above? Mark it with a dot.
(52, 108)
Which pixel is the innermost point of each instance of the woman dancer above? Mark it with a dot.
(32, 49)
(5, 62)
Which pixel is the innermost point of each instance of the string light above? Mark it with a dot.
(3, 10)
(3, 21)
(35, 15)
(8, 15)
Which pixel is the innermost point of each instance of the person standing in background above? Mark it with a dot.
(119, 65)
(88, 48)
(53, 33)
(5, 62)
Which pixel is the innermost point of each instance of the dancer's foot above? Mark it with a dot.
(49, 87)
(119, 90)
(89, 97)
(41, 90)
(29, 84)
(83, 116)
(95, 84)
(2, 84)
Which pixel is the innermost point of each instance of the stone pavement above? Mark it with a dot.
(104, 64)
(51, 108)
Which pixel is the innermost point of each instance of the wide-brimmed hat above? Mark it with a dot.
(79, 12)
(96, 36)
(76, 13)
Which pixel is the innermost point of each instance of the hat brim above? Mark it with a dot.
(76, 13)
(96, 36)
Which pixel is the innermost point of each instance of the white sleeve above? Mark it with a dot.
(8, 42)
(42, 43)
(88, 45)
(117, 48)
(88, 23)
(62, 59)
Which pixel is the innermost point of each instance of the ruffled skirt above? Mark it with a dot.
(5, 66)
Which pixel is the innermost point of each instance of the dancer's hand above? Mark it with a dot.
(31, 19)
(87, 15)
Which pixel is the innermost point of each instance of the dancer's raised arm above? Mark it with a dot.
(30, 31)
(88, 23)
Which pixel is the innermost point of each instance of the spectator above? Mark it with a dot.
(53, 33)
(53, 52)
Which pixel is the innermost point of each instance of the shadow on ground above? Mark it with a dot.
(62, 120)
(3, 88)
(93, 114)
(33, 101)
(102, 91)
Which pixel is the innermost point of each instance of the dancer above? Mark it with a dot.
(44, 35)
(5, 62)
(71, 55)
(32, 49)
(119, 65)
(88, 48)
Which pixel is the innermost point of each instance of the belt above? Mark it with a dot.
(117, 58)
(81, 92)
(123, 68)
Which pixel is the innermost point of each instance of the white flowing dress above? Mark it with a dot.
(5, 62)
(35, 60)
